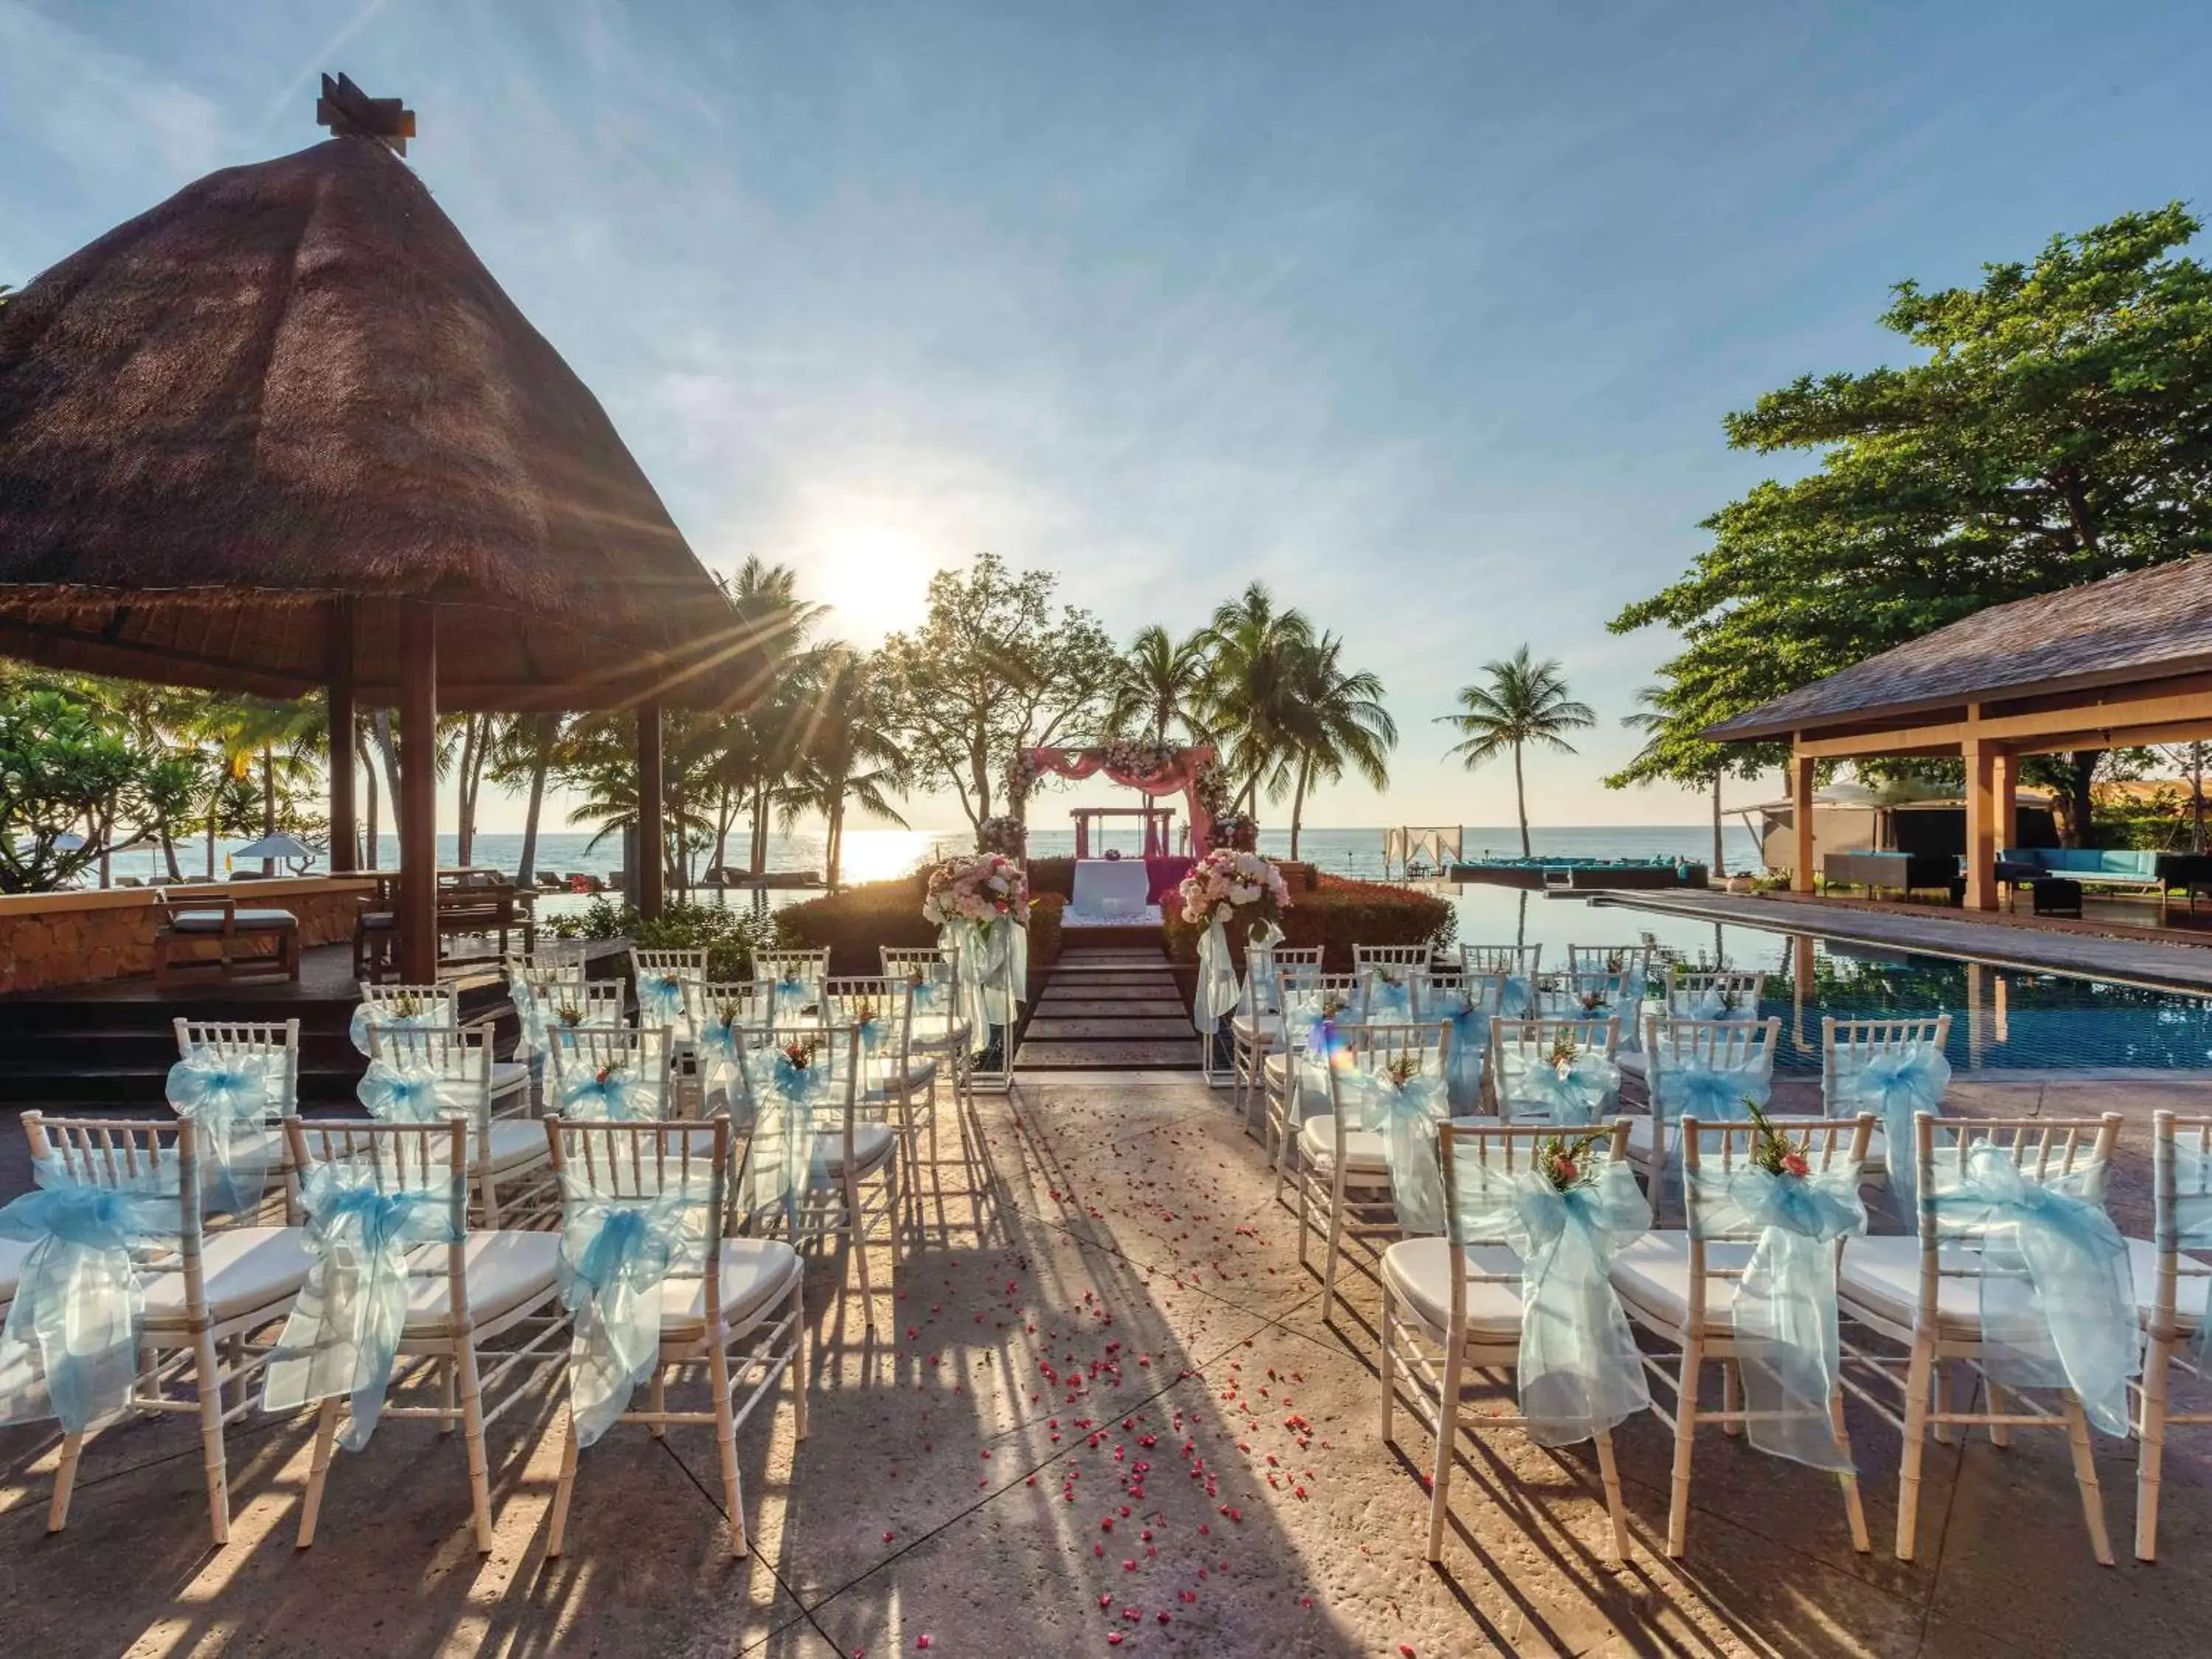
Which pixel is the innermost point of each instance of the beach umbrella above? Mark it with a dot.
(290, 848)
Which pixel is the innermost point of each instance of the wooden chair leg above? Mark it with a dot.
(726, 1439)
(1390, 1308)
(479, 1465)
(857, 1226)
(212, 1460)
(64, 1482)
(798, 1340)
(1335, 1234)
(564, 1489)
(657, 1394)
(1686, 1429)
(1854, 1506)
(1609, 1472)
(1917, 1382)
(2085, 1477)
(1731, 1398)
(318, 1470)
(1944, 1384)
(1447, 1440)
(2151, 1459)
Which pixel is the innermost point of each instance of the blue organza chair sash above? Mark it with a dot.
(2057, 1291)
(2193, 1221)
(1711, 1002)
(1593, 996)
(70, 1349)
(795, 994)
(414, 1094)
(660, 1000)
(1517, 1000)
(231, 1098)
(1219, 991)
(931, 992)
(1469, 1021)
(1389, 997)
(786, 1161)
(1405, 1115)
(1578, 1370)
(1788, 1346)
(1576, 1093)
(1895, 1087)
(1712, 1094)
(613, 1094)
(617, 1255)
(370, 1013)
(533, 1010)
(345, 1329)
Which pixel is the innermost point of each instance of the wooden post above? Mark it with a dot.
(417, 806)
(345, 820)
(652, 853)
(2004, 771)
(1800, 820)
(1981, 824)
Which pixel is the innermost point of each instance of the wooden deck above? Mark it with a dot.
(2095, 948)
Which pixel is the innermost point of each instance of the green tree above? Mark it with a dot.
(2056, 429)
(1524, 703)
(844, 756)
(522, 751)
(992, 670)
(1337, 722)
(1159, 684)
(1673, 752)
(1250, 696)
(73, 791)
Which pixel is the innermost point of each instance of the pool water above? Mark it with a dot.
(2001, 1018)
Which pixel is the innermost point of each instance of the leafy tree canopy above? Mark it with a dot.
(71, 790)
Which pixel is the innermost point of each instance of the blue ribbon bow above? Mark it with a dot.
(660, 999)
(1470, 1041)
(2058, 1300)
(1712, 1094)
(1578, 1370)
(345, 1329)
(793, 994)
(1405, 1115)
(1896, 1086)
(616, 1255)
(70, 1349)
(410, 1094)
(1390, 1002)
(370, 1013)
(785, 1161)
(1518, 998)
(1577, 1094)
(2192, 1225)
(230, 1098)
(615, 1095)
(1788, 1346)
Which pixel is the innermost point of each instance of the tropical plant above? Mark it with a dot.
(522, 751)
(1336, 721)
(73, 791)
(1251, 691)
(1157, 685)
(1524, 703)
(992, 670)
(2056, 429)
(1672, 753)
(842, 752)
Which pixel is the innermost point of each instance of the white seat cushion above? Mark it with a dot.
(871, 1146)
(1882, 1276)
(1247, 1026)
(1630, 1061)
(1653, 1274)
(506, 1271)
(1364, 1151)
(245, 1269)
(921, 1072)
(211, 921)
(2190, 1290)
(12, 1253)
(509, 1075)
(756, 1272)
(1419, 1270)
(938, 1031)
(516, 1143)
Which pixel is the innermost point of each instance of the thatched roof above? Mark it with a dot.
(2147, 625)
(292, 384)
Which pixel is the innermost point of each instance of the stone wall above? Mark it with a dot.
(49, 939)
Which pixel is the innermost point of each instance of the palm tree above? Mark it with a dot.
(522, 752)
(1160, 684)
(1524, 703)
(1653, 719)
(1249, 700)
(841, 752)
(1337, 720)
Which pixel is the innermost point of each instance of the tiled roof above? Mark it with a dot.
(2143, 625)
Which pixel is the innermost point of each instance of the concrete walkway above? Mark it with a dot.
(1099, 1402)
(2179, 966)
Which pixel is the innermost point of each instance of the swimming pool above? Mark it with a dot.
(2001, 1018)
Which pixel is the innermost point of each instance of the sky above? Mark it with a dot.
(1426, 316)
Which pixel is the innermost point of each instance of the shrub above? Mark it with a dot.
(728, 936)
(857, 922)
(1337, 914)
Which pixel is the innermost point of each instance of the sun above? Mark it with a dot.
(874, 575)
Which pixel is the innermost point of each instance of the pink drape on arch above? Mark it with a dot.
(1179, 777)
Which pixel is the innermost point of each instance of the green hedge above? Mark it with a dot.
(856, 922)
(729, 936)
(1336, 914)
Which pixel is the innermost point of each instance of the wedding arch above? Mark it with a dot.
(1151, 770)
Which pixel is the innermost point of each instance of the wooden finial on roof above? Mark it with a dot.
(349, 111)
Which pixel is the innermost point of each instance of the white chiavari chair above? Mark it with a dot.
(1291, 1085)
(1256, 1028)
(939, 1027)
(587, 1060)
(1713, 993)
(1847, 1046)
(1555, 1069)
(2173, 1284)
(271, 1047)
(1694, 1063)
(509, 1169)
(895, 1078)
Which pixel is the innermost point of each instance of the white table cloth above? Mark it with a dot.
(1109, 887)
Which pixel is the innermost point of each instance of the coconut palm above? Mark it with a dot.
(1250, 700)
(1523, 702)
(523, 750)
(842, 753)
(1161, 683)
(1336, 721)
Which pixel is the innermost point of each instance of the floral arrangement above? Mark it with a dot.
(1562, 1057)
(1135, 758)
(801, 1054)
(982, 889)
(1773, 1150)
(1333, 1003)
(407, 1005)
(1403, 1070)
(1595, 1002)
(1005, 834)
(567, 1012)
(607, 1073)
(1022, 775)
(1226, 884)
(1565, 1161)
(1238, 832)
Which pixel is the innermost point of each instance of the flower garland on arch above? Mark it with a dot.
(1154, 769)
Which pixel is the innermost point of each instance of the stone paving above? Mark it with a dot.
(1099, 1403)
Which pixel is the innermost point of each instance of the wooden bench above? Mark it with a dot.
(250, 944)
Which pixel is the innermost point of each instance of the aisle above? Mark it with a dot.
(1109, 1008)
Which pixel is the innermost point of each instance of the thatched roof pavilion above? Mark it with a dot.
(283, 430)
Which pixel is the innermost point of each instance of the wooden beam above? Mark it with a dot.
(418, 807)
(345, 818)
(1981, 825)
(1800, 820)
(652, 848)
(2005, 771)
